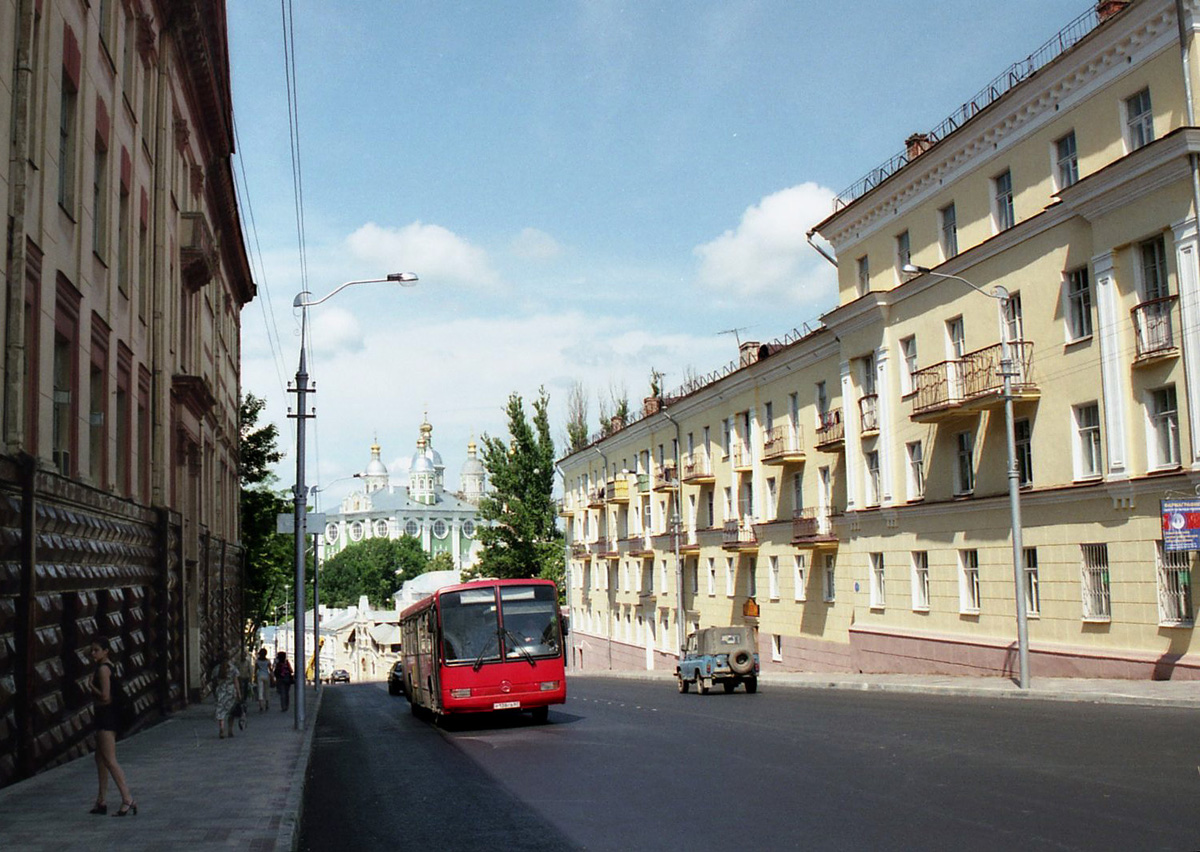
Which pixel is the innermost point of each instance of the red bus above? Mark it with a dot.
(484, 646)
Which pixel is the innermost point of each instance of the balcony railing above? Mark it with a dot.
(578, 549)
(697, 468)
(973, 380)
(782, 443)
(739, 534)
(618, 490)
(1153, 326)
(831, 432)
(665, 478)
(812, 525)
(743, 458)
(868, 412)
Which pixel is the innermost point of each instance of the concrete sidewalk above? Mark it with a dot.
(193, 790)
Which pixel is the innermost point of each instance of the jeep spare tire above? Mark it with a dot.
(741, 661)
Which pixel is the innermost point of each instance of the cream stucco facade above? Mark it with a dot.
(847, 491)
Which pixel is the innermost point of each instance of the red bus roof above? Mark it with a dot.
(425, 603)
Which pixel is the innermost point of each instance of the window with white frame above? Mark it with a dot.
(1023, 435)
(1014, 320)
(772, 498)
(878, 595)
(753, 579)
(797, 492)
(1153, 266)
(1139, 120)
(1094, 582)
(1066, 160)
(708, 505)
(863, 274)
(730, 577)
(776, 648)
(728, 503)
(872, 460)
(903, 252)
(968, 582)
(829, 584)
(949, 231)
(662, 574)
(1033, 589)
(956, 338)
(695, 576)
(908, 349)
(916, 470)
(726, 436)
(773, 577)
(799, 576)
(1003, 213)
(964, 463)
(1174, 587)
(1079, 304)
(1164, 428)
(712, 576)
(1088, 459)
(920, 580)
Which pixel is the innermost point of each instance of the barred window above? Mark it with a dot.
(1094, 582)
(1174, 587)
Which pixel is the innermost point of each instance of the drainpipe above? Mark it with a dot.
(18, 167)
(676, 527)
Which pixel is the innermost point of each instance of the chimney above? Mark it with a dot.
(1105, 9)
(916, 145)
(748, 353)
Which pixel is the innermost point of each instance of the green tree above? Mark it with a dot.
(520, 534)
(268, 555)
(375, 568)
(441, 561)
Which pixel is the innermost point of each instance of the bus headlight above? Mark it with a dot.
(460, 693)
(548, 685)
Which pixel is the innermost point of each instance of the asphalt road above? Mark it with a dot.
(635, 765)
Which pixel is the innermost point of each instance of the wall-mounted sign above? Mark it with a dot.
(1181, 524)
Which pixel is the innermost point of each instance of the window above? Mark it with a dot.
(712, 576)
(439, 528)
(97, 405)
(123, 214)
(662, 574)
(822, 403)
(67, 143)
(1079, 304)
(797, 493)
(903, 252)
(1154, 269)
(908, 382)
(708, 505)
(65, 374)
(143, 425)
(1088, 460)
(799, 576)
(777, 648)
(964, 479)
(726, 436)
(829, 588)
(863, 275)
(1066, 161)
(1014, 321)
(413, 529)
(916, 470)
(1023, 433)
(920, 580)
(695, 577)
(381, 528)
(773, 579)
(1002, 195)
(772, 498)
(1033, 591)
(1164, 428)
(100, 199)
(956, 338)
(1094, 581)
(1174, 587)
(872, 459)
(1139, 120)
(949, 231)
(730, 577)
(356, 531)
(878, 597)
(968, 582)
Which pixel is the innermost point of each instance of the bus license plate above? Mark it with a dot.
(507, 705)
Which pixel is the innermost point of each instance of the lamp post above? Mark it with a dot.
(1001, 295)
(301, 492)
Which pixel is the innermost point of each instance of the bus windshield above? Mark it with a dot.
(530, 615)
(470, 629)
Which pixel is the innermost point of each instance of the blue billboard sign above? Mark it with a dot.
(1181, 524)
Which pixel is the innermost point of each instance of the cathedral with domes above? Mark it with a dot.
(443, 522)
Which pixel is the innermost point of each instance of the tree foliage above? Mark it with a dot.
(268, 555)
(376, 568)
(520, 535)
(577, 417)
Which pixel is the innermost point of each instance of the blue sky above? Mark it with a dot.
(586, 190)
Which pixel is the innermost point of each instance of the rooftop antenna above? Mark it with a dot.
(736, 332)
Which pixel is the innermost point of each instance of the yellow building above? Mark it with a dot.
(847, 490)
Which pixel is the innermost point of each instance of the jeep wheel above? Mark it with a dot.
(701, 685)
(741, 661)
(683, 684)
(729, 685)
(752, 685)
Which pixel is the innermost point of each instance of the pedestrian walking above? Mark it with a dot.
(283, 679)
(262, 680)
(106, 689)
(228, 693)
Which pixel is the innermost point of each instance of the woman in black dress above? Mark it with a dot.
(103, 686)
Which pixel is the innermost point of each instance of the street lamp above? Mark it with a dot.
(1001, 295)
(405, 279)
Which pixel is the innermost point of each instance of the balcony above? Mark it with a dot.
(743, 459)
(643, 483)
(596, 498)
(697, 469)
(813, 527)
(578, 549)
(608, 549)
(563, 505)
(665, 478)
(618, 490)
(1154, 330)
(868, 414)
(197, 251)
(782, 445)
(639, 547)
(972, 383)
(739, 535)
(831, 431)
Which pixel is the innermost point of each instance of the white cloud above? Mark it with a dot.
(767, 254)
(433, 252)
(532, 244)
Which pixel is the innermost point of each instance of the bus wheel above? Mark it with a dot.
(541, 715)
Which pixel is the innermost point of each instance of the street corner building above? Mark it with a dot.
(846, 488)
(125, 275)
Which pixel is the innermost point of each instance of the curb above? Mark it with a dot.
(289, 824)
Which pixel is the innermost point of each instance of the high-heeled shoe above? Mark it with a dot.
(99, 808)
(127, 809)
